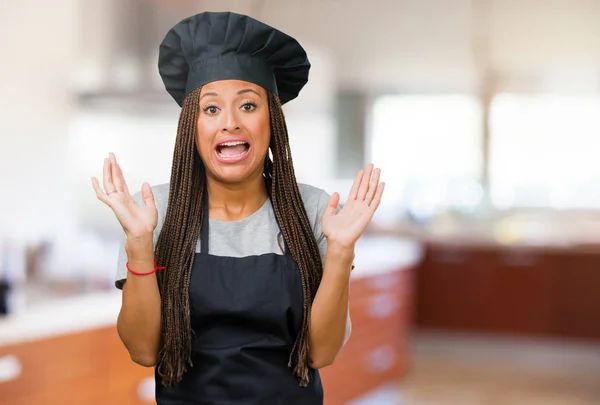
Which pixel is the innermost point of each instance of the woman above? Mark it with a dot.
(235, 278)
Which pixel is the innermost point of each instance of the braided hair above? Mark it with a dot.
(176, 245)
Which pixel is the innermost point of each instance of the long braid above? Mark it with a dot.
(297, 231)
(176, 244)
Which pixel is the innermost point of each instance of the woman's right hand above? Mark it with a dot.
(138, 221)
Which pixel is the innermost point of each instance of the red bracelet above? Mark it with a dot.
(144, 274)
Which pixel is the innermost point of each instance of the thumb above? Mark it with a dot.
(147, 196)
(332, 204)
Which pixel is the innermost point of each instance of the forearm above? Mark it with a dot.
(139, 322)
(329, 313)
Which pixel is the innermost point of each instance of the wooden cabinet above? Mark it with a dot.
(577, 290)
(453, 288)
(376, 354)
(91, 368)
(521, 291)
(535, 291)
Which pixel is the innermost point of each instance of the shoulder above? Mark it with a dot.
(315, 202)
(314, 198)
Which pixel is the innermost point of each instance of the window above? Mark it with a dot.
(429, 146)
(544, 151)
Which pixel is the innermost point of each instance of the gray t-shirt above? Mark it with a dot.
(254, 235)
(239, 238)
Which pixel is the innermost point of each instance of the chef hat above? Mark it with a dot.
(213, 46)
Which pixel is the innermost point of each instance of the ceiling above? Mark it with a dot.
(399, 45)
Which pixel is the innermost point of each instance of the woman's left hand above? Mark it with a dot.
(346, 226)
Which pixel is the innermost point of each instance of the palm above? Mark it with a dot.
(349, 223)
(137, 220)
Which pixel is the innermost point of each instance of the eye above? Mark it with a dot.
(210, 110)
(248, 106)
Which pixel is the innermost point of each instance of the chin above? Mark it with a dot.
(233, 175)
(236, 173)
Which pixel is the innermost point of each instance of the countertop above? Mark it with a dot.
(374, 255)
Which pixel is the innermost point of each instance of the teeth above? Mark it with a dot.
(232, 156)
(234, 143)
(231, 143)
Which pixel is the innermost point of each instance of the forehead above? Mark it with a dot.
(230, 87)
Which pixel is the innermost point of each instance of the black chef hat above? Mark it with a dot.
(214, 46)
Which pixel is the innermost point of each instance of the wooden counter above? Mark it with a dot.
(531, 290)
(377, 351)
(91, 368)
(69, 352)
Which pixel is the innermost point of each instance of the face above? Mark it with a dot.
(233, 131)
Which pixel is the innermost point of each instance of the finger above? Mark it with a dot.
(377, 198)
(99, 193)
(364, 184)
(355, 185)
(114, 172)
(332, 204)
(107, 178)
(148, 196)
(123, 182)
(118, 177)
(373, 185)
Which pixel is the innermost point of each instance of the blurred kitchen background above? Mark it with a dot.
(479, 280)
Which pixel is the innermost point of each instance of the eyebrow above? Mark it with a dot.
(239, 92)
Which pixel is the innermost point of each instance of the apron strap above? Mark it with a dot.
(204, 230)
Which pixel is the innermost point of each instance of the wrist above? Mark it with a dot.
(140, 248)
(144, 268)
(340, 251)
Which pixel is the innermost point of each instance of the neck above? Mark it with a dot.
(235, 201)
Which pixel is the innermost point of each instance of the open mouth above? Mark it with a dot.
(232, 150)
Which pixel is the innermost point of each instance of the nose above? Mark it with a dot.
(230, 121)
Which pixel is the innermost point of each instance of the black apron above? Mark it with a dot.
(246, 313)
